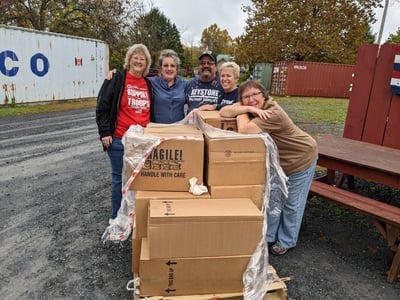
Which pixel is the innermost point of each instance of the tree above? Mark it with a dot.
(108, 20)
(120, 23)
(322, 31)
(216, 40)
(27, 14)
(241, 51)
(155, 30)
(93, 18)
(370, 36)
(188, 58)
(394, 38)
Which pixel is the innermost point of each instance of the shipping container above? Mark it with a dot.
(263, 73)
(38, 66)
(300, 78)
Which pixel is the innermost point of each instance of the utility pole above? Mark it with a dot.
(383, 21)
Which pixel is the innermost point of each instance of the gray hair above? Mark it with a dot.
(169, 53)
(231, 65)
(138, 48)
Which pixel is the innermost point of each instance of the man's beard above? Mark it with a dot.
(206, 76)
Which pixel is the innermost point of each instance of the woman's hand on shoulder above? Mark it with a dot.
(110, 74)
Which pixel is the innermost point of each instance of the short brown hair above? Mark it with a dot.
(255, 84)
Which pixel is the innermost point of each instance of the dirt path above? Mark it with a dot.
(54, 208)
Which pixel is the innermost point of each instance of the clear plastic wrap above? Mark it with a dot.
(138, 147)
(256, 278)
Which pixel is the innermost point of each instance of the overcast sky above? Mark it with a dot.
(191, 17)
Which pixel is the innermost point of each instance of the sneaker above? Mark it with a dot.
(111, 221)
(277, 249)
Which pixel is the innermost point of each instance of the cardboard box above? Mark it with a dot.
(254, 192)
(170, 166)
(136, 249)
(142, 199)
(207, 227)
(213, 118)
(234, 160)
(190, 276)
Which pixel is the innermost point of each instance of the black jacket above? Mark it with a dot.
(108, 101)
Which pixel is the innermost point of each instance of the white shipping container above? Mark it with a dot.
(40, 66)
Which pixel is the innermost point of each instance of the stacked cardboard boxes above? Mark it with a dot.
(142, 200)
(253, 191)
(213, 118)
(198, 246)
(184, 244)
(235, 166)
(191, 276)
(165, 174)
(234, 161)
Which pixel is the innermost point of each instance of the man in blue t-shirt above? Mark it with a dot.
(205, 91)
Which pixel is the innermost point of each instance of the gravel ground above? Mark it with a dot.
(55, 205)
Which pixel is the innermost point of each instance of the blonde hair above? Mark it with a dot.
(231, 65)
(138, 48)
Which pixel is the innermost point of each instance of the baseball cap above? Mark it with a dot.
(209, 54)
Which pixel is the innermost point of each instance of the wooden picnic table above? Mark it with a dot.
(368, 161)
(369, 148)
(365, 160)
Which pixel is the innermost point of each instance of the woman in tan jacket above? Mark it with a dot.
(257, 112)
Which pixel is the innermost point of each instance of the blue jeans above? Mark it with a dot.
(116, 155)
(284, 229)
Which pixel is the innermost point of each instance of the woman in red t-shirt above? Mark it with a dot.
(123, 101)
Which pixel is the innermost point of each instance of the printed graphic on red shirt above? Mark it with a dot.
(135, 105)
(138, 98)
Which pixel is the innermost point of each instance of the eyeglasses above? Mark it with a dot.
(169, 65)
(248, 97)
(206, 62)
(138, 58)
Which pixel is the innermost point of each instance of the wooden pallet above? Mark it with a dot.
(276, 291)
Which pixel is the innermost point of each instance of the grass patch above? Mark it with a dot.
(327, 110)
(320, 110)
(53, 106)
